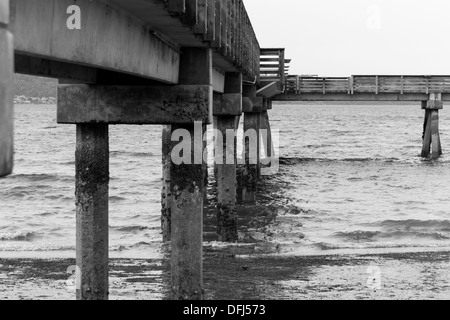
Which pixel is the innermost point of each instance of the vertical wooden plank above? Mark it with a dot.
(224, 22)
(6, 91)
(239, 34)
(218, 25)
(229, 27)
(91, 192)
(176, 6)
(352, 81)
(211, 21)
(377, 84)
(191, 13)
(402, 84)
(202, 17)
(235, 31)
(282, 67)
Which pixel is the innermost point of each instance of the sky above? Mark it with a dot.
(354, 37)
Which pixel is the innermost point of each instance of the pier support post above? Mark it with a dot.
(205, 163)
(248, 176)
(187, 184)
(92, 181)
(166, 196)
(6, 91)
(227, 109)
(431, 136)
(226, 179)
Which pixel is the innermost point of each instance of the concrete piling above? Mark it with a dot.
(226, 179)
(6, 91)
(166, 196)
(249, 178)
(92, 181)
(431, 136)
(186, 187)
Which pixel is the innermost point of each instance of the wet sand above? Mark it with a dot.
(231, 277)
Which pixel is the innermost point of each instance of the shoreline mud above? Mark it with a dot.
(390, 276)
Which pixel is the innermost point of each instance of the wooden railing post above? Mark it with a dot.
(6, 91)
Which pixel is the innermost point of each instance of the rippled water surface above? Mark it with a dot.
(350, 179)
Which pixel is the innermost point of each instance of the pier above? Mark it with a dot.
(430, 91)
(183, 65)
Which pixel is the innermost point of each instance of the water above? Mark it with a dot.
(350, 179)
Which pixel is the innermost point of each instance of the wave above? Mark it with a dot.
(324, 246)
(130, 229)
(397, 234)
(18, 236)
(132, 154)
(41, 177)
(443, 225)
(296, 161)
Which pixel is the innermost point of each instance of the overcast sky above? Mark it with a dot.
(350, 37)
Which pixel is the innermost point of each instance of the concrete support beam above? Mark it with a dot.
(54, 69)
(134, 105)
(92, 181)
(186, 187)
(110, 38)
(6, 91)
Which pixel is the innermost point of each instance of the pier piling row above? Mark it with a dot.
(136, 62)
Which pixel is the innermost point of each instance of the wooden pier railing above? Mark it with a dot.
(226, 26)
(368, 84)
(274, 69)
